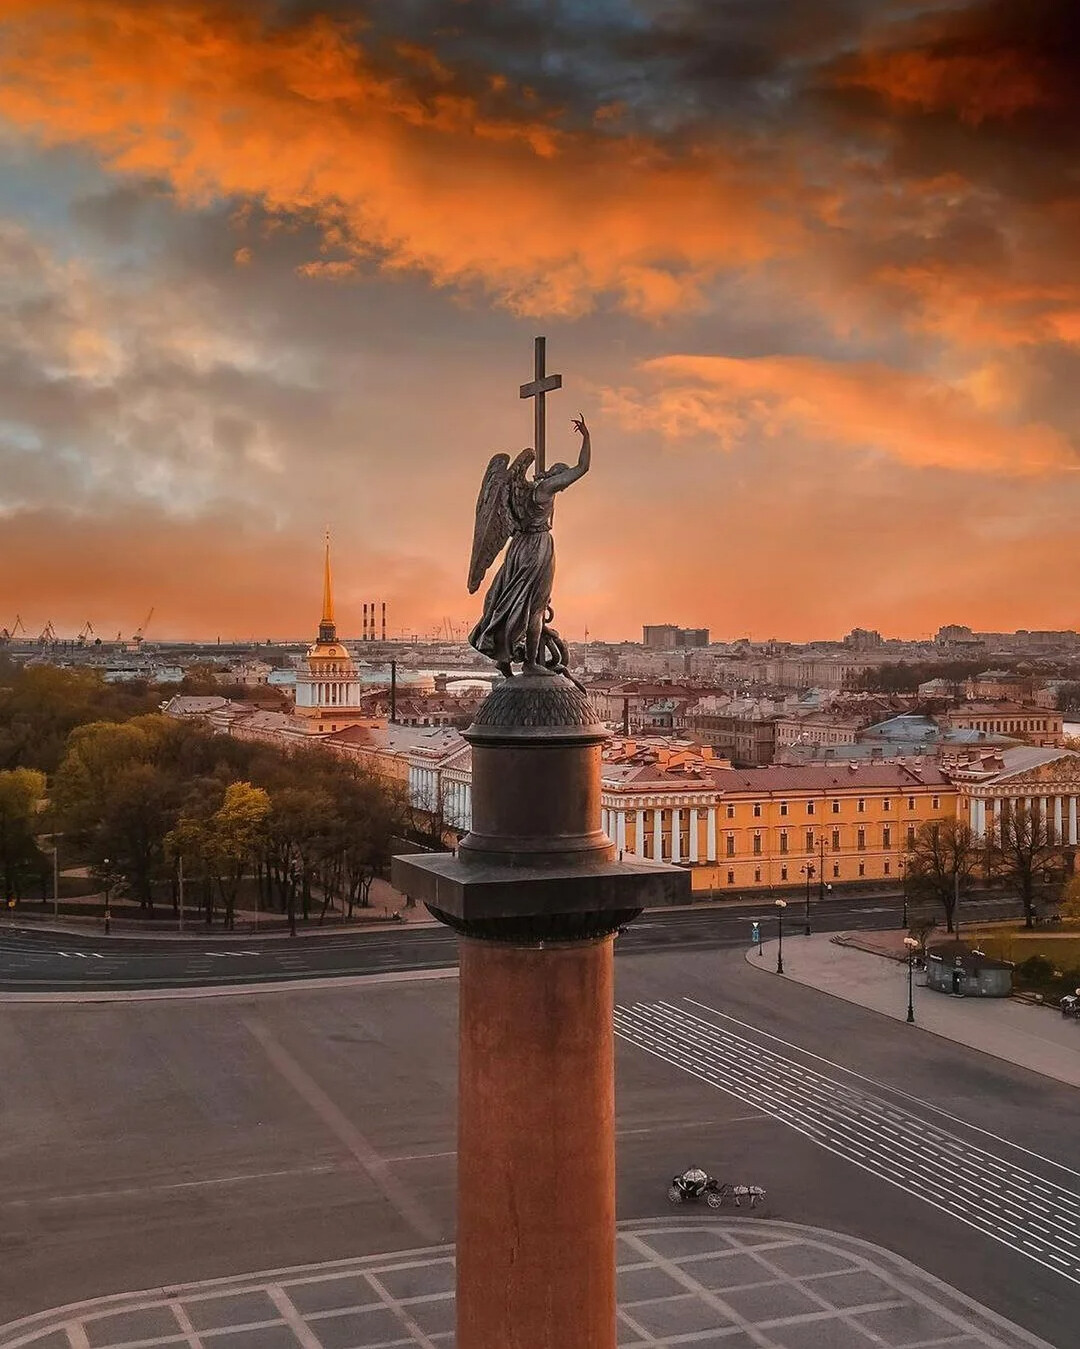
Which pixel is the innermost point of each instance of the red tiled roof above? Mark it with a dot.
(826, 777)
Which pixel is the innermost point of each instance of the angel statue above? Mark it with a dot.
(517, 607)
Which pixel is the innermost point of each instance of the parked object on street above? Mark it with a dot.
(695, 1184)
(1070, 1005)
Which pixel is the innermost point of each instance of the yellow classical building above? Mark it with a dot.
(759, 828)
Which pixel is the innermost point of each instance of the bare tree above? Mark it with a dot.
(1025, 853)
(941, 864)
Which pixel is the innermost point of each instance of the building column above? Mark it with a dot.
(620, 831)
(676, 835)
(980, 818)
(974, 820)
(1058, 819)
(1046, 816)
(658, 833)
(1072, 819)
(639, 835)
(710, 837)
(695, 816)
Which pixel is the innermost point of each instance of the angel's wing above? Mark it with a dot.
(493, 523)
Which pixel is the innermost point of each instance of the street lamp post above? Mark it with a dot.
(912, 946)
(55, 882)
(809, 870)
(903, 890)
(781, 905)
(106, 864)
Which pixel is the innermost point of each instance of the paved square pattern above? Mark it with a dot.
(689, 1281)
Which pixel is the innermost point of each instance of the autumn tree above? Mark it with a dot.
(237, 837)
(941, 864)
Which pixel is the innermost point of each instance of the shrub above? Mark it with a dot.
(1035, 969)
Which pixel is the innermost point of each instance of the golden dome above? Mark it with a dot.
(322, 651)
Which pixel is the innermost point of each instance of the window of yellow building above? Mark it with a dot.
(783, 873)
(886, 804)
(731, 812)
(886, 839)
(860, 805)
(731, 878)
(911, 803)
(731, 845)
(836, 807)
(783, 840)
(809, 807)
(836, 840)
(809, 840)
(783, 807)
(936, 803)
(757, 845)
(757, 810)
(861, 844)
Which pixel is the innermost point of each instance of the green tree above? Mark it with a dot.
(136, 816)
(22, 791)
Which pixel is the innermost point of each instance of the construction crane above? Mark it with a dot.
(9, 635)
(87, 631)
(137, 640)
(48, 634)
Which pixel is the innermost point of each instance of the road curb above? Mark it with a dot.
(909, 1278)
(764, 967)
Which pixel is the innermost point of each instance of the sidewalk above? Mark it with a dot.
(387, 909)
(1037, 1038)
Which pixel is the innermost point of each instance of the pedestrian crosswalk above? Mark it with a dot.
(1020, 1206)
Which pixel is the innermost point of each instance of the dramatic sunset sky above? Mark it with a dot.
(810, 268)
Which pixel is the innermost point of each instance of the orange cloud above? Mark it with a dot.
(912, 418)
(976, 306)
(300, 118)
(977, 86)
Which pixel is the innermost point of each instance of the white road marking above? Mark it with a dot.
(979, 1189)
(881, 1086)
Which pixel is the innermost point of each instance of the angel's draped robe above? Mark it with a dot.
(522, 585)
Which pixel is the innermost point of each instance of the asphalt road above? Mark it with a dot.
(143, 1144)
(39, 961)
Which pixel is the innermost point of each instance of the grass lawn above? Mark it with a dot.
(1060, 945)
(1047, 960)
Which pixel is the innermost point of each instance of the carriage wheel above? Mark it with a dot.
(674, 1194)
(713, 1199)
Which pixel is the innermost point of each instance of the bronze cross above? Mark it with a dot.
(537, 387)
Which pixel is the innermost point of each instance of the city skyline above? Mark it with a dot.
(268, 267)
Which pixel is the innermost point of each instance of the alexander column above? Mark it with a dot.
(536, 894)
